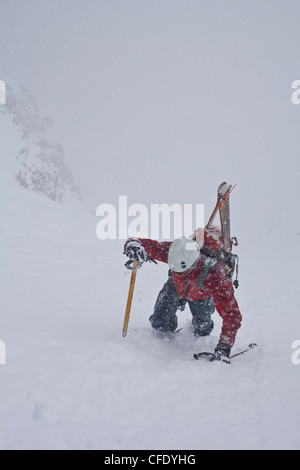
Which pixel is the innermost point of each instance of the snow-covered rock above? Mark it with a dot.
(36, 162)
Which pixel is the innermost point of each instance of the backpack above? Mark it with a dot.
(213, 248)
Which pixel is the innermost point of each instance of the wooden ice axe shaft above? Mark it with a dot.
(129, 299)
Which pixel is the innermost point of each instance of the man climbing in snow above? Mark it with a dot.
(195, 278)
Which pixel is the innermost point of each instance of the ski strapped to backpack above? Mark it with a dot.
(218, 244)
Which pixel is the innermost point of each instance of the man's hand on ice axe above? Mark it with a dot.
(136, 252)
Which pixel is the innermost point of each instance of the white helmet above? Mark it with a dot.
(183, 254)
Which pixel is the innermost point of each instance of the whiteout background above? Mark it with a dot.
(161, 102)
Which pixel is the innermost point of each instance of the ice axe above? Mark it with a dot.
(135, 266)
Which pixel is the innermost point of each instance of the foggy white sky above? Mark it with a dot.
(162, 100)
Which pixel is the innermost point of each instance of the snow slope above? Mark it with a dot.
(73, 382)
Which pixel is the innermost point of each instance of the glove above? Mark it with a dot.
(135, 252)
(222, 353)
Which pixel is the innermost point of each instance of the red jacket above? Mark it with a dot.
(216, 284)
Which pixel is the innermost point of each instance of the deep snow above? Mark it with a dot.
(73, 382)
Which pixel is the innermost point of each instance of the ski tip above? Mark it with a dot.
(224, 188)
